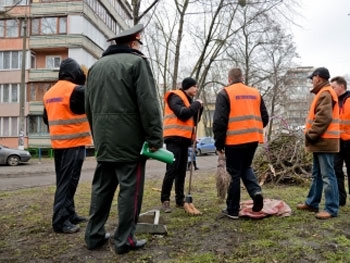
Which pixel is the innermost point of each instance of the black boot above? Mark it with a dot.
(195, 165)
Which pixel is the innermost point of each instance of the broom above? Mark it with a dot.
(188, 205)
(222, 178)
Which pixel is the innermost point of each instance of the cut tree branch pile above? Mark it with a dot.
(283, 160)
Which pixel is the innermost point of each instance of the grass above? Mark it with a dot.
(27, 236)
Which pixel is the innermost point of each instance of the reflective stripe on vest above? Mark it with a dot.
(66, 128)
(344, 115)
(332, 131)
(173, 126)
(245, 124)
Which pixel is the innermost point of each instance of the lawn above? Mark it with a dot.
(27, 236)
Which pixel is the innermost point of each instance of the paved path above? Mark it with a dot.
(41, 172)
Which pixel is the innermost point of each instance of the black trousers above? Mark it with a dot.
(339, 159)
(238, 164)
(175, 172)
(68, 164)
(130, 177)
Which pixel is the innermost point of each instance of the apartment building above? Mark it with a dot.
(296, 100)
(48, 31)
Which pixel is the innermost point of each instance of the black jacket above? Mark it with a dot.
(221, 118)
(183, 113)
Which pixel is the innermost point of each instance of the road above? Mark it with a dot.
(41, 172)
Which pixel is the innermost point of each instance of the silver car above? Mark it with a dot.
(205, 145)
(13, 156)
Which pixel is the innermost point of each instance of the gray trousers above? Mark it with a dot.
(108, 175)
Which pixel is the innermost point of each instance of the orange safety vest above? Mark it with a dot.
(344, 115)
(172, 125)
(67, 129)
(245, 124)
(332, 131)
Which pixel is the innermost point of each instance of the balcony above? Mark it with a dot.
(36, 107)
(63, 42)
(56, 7)
(43, 75)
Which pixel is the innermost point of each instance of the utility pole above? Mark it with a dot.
(22, 88)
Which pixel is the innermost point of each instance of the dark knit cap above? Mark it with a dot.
(188, 83)
(322, 72)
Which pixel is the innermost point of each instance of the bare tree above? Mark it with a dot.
(181, 10)
(160, 44)
(212, 36)
(252, 34)
(279, 53)
(264, 52)
(136, 4)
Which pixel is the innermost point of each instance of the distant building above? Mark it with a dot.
(295, 104)
(55, 30)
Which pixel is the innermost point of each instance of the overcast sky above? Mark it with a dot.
(324, 39)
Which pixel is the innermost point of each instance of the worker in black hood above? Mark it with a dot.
(70, 70)
(64, 113)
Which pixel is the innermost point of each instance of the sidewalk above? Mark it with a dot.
(37, 173)
(42, 172)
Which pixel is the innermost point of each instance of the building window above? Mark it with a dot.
(14, 60)
(35, 26)
(9, 93)
(5, 93)
(12, 28)
(5, 126)
(32, 60)
(53, 62)
(32, 92)
(62, 25)
(10, 59)
(14, 92)
(6, 60)
(49, 26)
(14, 126)
(2, 28)
(9, 28)
(37, 90)
(9, 126)
(105, 15)
(37, 125)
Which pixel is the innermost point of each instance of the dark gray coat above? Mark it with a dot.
(122, 105)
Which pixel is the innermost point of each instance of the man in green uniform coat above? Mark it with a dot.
(123, 110)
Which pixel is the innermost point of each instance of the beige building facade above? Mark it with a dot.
(47, 32)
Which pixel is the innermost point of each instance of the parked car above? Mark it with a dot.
(205, 145)
(13, 156)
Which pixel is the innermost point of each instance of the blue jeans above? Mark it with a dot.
(238, 164)
(323, 178)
